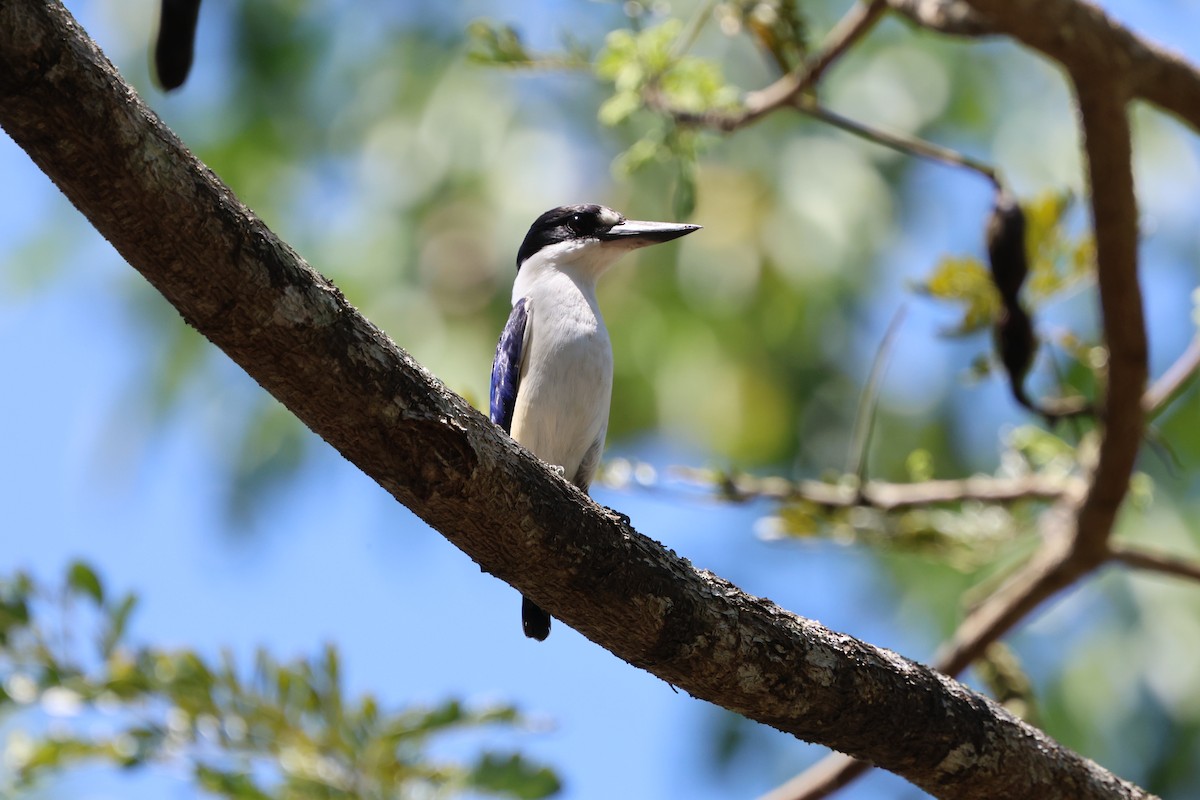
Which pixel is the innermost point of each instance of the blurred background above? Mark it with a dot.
(408, 172)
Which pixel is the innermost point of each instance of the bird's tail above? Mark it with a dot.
(534, 619)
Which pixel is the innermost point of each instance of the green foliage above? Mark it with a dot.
(1000, 670)
(285, 730)
(780, 29)
(497, 45)
(637, 62)
(84, 580)
(513, 776)
(649, 66)
(966, 281)
(500, 45)
(965, 536)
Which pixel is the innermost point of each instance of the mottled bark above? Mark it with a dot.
(291, 329)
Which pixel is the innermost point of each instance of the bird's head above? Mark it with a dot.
(587, 239)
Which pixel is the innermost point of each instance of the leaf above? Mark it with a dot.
(618, 108)
(779, 29)
(634, 62)
(491, 43)
(685, 190)
(14, 613)
(513, 776)
(1057, 261)
(966, 281)
(118, 620)
(1002, 673)
(83, 579)
(230, 784)
(802, 519)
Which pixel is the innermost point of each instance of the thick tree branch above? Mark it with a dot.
(1078, 35)
(249, 293)
(1101, 59)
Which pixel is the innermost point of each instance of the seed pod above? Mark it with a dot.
(1016, 343)
(176, 41)
(1006, 246)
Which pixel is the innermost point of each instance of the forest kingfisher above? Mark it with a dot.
(552, 376)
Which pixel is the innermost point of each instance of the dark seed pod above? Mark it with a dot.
(1016, 343)
(1006, 246)
(176, 40)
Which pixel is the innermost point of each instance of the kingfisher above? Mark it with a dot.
(553, 371)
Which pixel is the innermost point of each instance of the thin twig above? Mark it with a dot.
(883, 495)
(852, 27)
(688, 38)
(1174, 382)
(864, 419)
(1165, 563)
(909, 145)
(857, 23)
(821, 779)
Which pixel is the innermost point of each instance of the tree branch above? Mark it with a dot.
(1174, 382)
(1167, 564)
(883, 495)
(289, 328)
(857, 23)
(1078, 35)
(1102, 60)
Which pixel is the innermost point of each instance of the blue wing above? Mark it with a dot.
(506, 369)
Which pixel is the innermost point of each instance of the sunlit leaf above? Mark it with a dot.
(491, 43)
(780, 29)
(513, 776)
(118, 620)
(685, 190)
(1001, 671)
(83, 579)
(236, 785)
(967, 282)
(284, 730)
(1058, 261)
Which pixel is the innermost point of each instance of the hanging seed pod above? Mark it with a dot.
(176, 41)
(1006, 246)
(1017, 345)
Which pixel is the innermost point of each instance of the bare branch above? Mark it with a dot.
(1080, 36)
(1076, 531)
(901, 143)
(1174, 382)
(1134, 556)
(887, 496)
(820, 780)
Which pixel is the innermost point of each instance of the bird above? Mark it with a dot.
(552, 375)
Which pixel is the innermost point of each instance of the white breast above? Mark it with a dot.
(566, 371)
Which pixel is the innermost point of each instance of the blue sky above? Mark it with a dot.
(336, 559)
